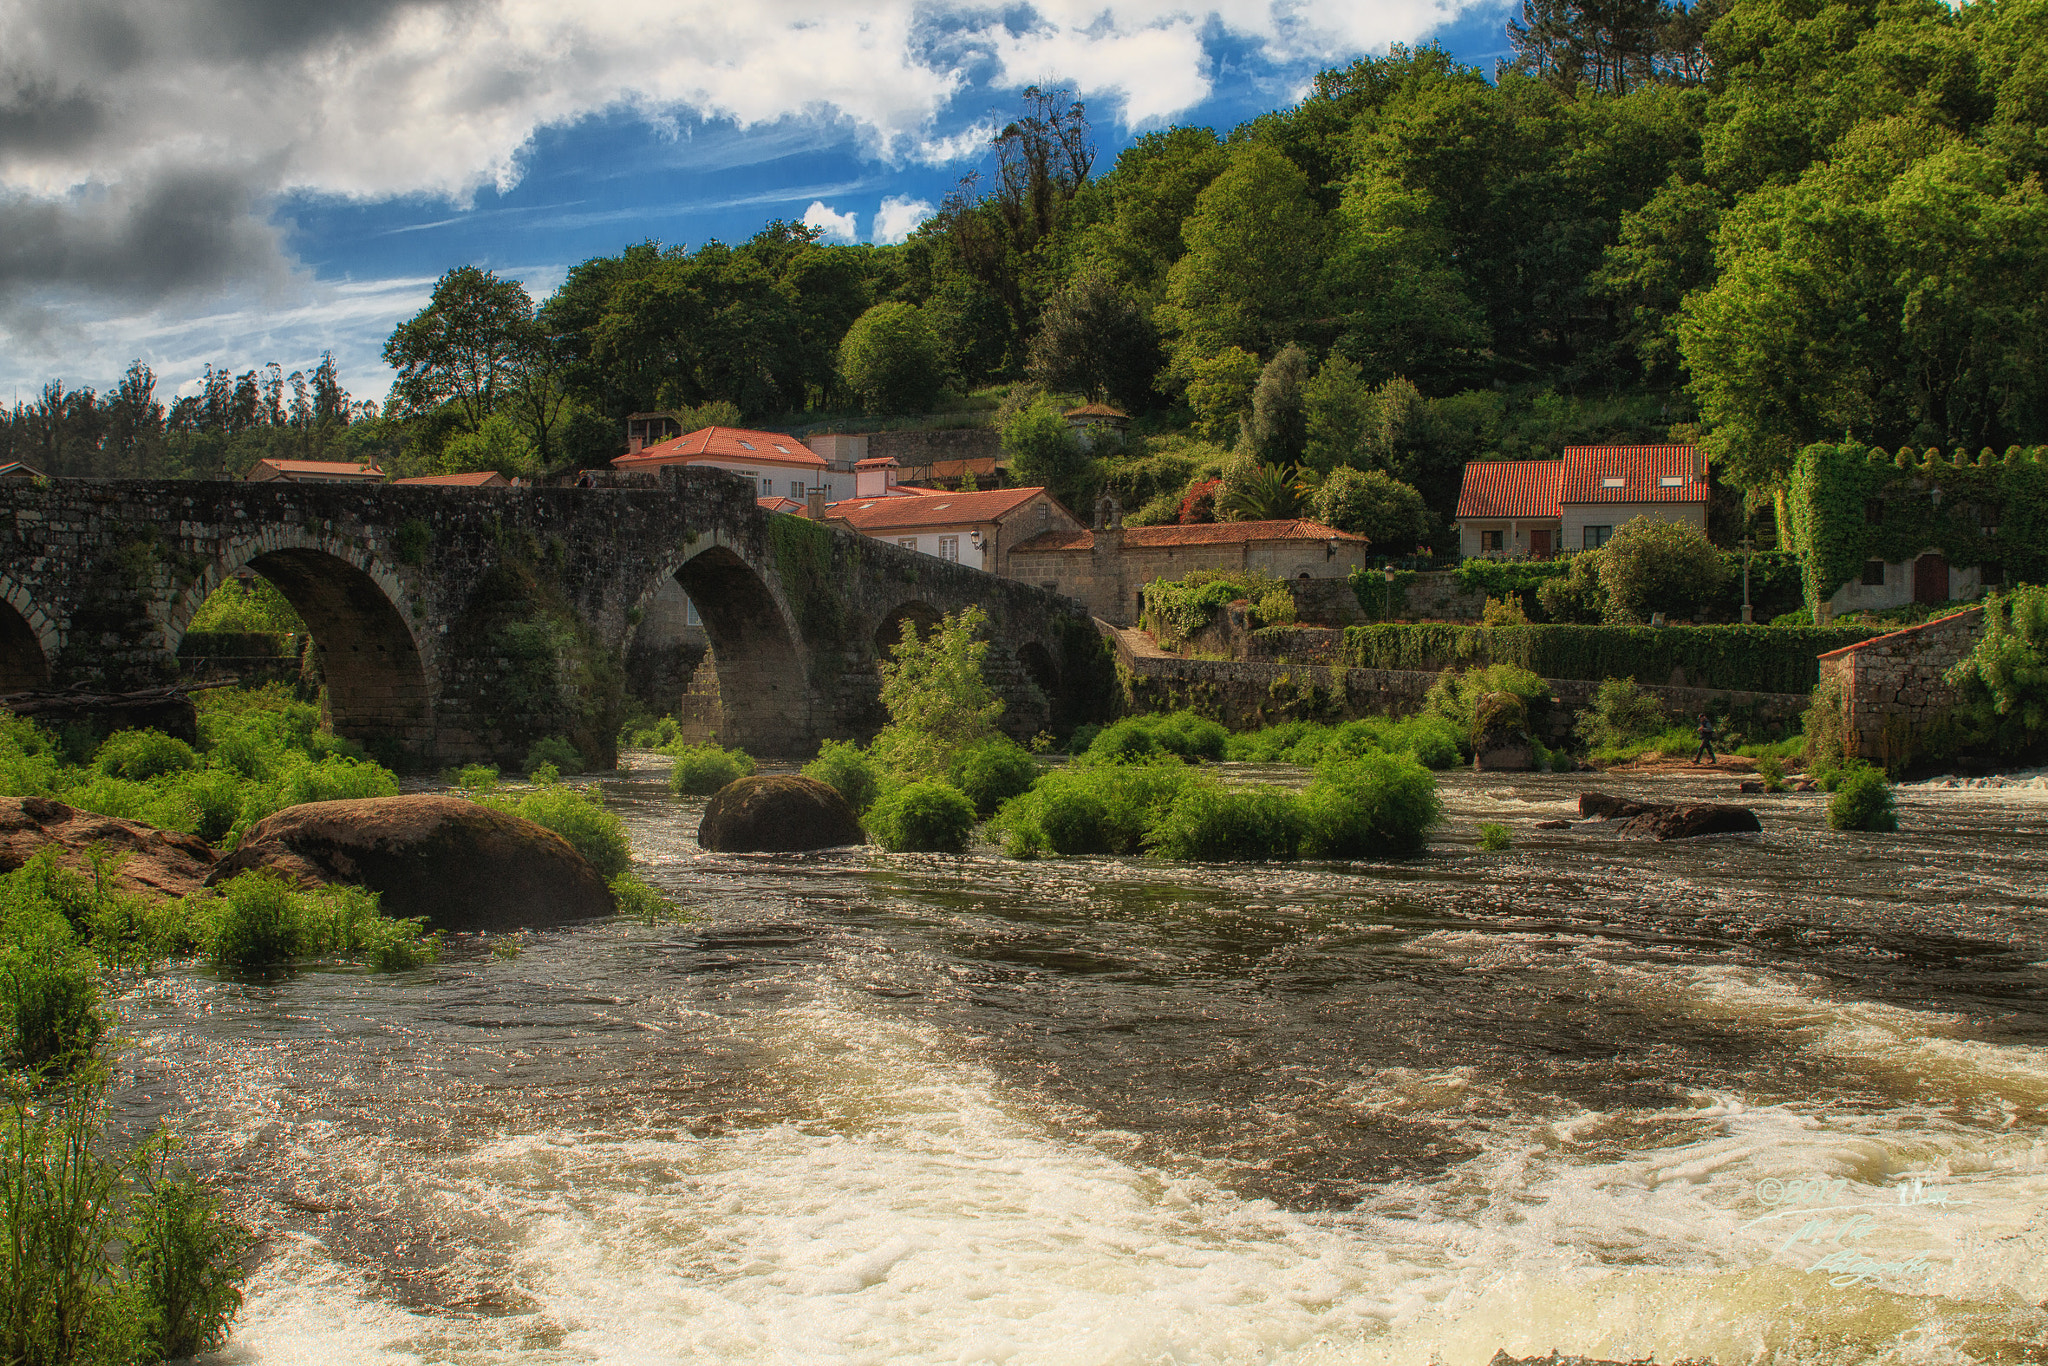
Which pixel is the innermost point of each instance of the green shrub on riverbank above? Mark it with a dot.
(259, 752)
(1095, 809)
(848, 770)
(922, 818)
(1862, 801)
(261, 919)
(1209, 823)
(992, 772)
(1373, 806)
(1136, 739)
(702, 769)
(107, 1255)
(1430, 740)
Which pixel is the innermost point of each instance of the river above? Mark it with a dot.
(1620, 1099)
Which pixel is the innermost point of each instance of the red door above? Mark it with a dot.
(1539, 544)
(1930, 579)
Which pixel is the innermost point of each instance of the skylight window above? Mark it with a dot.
(748, 444)
(780, 447)
(1671, 481)
(1612, 483)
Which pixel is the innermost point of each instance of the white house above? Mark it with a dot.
(779, 465)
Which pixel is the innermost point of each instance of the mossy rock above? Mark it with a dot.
(777, 814)
(1500, 733)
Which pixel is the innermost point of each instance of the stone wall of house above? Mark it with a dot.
(1892, 686)
(1109, 575)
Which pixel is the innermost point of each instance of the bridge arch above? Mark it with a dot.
(915, 615)
(27, 641)
(763, 684)
(359, 616)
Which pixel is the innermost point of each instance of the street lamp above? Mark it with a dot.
(1387, 596)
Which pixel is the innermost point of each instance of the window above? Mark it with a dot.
(796, 489)
(1613, 482)
(907, 542)
(1490, 540)
(949, 548)
(1670, 481)
(1595, 536)
(748, 444)
(1873, 573)
(767, 487)
(1992, 573)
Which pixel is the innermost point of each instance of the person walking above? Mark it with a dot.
(1705, 730)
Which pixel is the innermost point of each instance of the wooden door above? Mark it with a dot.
(1930, 579)
(1539, 544)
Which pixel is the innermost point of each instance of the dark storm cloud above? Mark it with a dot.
(262, 29)
(184, 230)
(39, 118)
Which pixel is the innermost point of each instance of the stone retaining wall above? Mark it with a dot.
(1248, 694)
(1892, 686)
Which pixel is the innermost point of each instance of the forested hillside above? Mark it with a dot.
(1766, 224)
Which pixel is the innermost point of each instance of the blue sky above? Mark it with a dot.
(254, 200)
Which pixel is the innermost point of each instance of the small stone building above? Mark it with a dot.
(1109, 565)
(1892, 686)
(1509, 509)
(980, 530)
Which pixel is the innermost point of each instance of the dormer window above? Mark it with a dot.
(1671, 481)
(1612, 482)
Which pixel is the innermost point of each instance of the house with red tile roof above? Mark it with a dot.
(1108, 566)
(478, 479)
(975, 529)
(779, 465)
(1538, 508)
(267, 471)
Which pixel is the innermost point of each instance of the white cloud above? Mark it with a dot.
(836, 227)
(898, 218)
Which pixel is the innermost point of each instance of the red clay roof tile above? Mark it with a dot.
(935, 508)
(725, 443)
(1511, 488)
(1645, 474)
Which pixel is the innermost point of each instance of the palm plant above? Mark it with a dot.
(1262, 493)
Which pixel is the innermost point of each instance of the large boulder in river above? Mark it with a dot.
(1500, 733)
(1690, 822)
(155, 862)
(776, 815)
(1604, 806)
(461, 865)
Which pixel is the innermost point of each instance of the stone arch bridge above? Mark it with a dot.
(464, 624)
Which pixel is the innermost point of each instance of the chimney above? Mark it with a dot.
(634, 443)
(814, 503)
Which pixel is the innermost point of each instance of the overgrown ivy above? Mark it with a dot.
(1747, 658)
(803, 561)
(1176, 609)
(1849, 504)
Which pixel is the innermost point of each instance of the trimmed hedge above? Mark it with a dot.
(1754, 658)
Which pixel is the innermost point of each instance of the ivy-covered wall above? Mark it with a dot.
(1849, 504)
(1777, 659)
